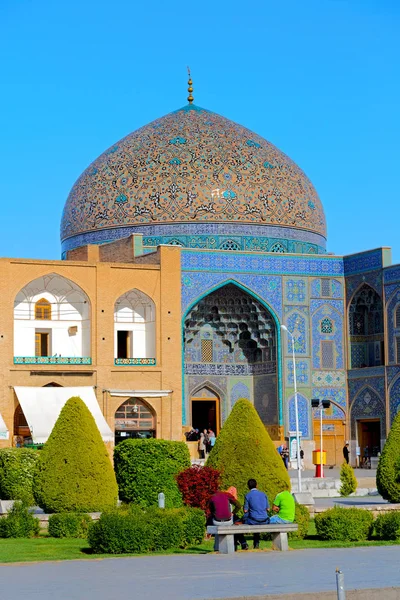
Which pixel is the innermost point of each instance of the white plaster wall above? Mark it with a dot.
(135, 312)
(61, 342)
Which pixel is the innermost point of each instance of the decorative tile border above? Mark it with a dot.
(134, 362)
(52, 360)
(329, 378)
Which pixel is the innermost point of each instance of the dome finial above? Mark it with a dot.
(190, 89)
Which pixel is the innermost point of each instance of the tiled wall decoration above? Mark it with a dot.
(322, 309)
(295, 291)
(394, 399)
(329, 378)
(304, 406)
(367, 405)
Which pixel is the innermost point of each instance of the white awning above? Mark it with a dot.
(4, 434)
(42, 406)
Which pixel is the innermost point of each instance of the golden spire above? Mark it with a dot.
(190, 89)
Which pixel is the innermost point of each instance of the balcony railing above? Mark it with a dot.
(52, 360)
(134, 362)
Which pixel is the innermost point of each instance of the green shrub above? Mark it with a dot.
(387, 526)
(19, 523)
(74, 472)
(140, 531)
(69, 525)
(144, 468)
(302, 518)
(17, 467)
(344, 524)
(388, 473)
(348, 479)
(244, 450)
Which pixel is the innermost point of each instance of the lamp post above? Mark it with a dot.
(296, 408)
(321, 404)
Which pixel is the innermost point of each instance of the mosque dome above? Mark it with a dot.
(196, 179)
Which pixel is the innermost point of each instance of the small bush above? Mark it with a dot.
(387, 526)
(197, 484)
(140, 531)
(388, 472)
(144, 468)
(17, 467)
(302, 518)
(19, 523)
(344, 524)
(69, 525)
(348, 479)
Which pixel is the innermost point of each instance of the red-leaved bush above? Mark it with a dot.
(197, 484)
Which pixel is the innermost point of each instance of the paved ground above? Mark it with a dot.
(335, 472)
(202, 577)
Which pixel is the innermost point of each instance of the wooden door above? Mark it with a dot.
(333, 439)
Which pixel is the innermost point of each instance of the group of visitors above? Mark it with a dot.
(283, 450)
(224, 508)
(206, 442)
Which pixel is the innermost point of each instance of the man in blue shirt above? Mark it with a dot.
(255, 509)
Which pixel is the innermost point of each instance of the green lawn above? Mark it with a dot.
(46, 548)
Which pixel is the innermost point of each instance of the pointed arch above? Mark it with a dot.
(366, 329)
(134, 329)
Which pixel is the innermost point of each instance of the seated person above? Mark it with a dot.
(255, 509)
(220, 505)
(284, 506)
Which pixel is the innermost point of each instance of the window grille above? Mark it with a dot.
(397, 318)
(398, 349)
(327, 355)
(206, 351)
(326, 326)
(43, 310)
(278, 248)
(326, 288)
(229, 245)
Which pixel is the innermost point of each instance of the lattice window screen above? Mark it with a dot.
(398, 349)
(326, 288)
(397, 319)
(206, 351)
(327, 355)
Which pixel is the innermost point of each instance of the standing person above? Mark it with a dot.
(206, 441)
(223, 507)
(285, 456)
(202, 446)
(346, 452)
(255, 509)
(212, 438)
(302, 459)
(285, 508)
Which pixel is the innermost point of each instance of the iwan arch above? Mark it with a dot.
(185, 246)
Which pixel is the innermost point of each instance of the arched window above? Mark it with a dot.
(229, 245)
(397, 317)
(134, 419)
(175, 243)
(43, 310)
(278, 248)
(326, 326)
(366, 328)
(134, 327)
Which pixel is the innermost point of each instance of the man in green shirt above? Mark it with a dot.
(284, 506)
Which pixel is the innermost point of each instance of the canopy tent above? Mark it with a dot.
(42, 406)
(4, 434)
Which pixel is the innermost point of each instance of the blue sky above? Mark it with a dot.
(317, 78)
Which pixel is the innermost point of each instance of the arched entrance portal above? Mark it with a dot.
(134, 419)
(205, 405)
(230, 344)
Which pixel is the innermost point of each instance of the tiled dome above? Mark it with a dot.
(189, 168)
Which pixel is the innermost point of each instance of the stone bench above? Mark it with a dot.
(225, 534)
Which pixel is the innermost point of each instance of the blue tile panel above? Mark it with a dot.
(394, 398)
(363, 262)
(304, 415)
(320, 310)
(367, 404)
(393, 301)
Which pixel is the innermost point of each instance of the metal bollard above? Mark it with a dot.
(341, 592)
(161, 500)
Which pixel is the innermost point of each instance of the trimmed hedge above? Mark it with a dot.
(74, 471)
(388, 473)
(144, 468)
(139, 531)
(19, 523)
(17, 467)
(69, 525)
(348, 479)
(244, 450)
(302, 518)
(387, 526)
(344, 524)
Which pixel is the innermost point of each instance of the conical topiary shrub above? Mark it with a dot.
(74, 471)
(388, 473)
(244, 450)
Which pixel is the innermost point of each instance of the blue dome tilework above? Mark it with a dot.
(193, 166)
